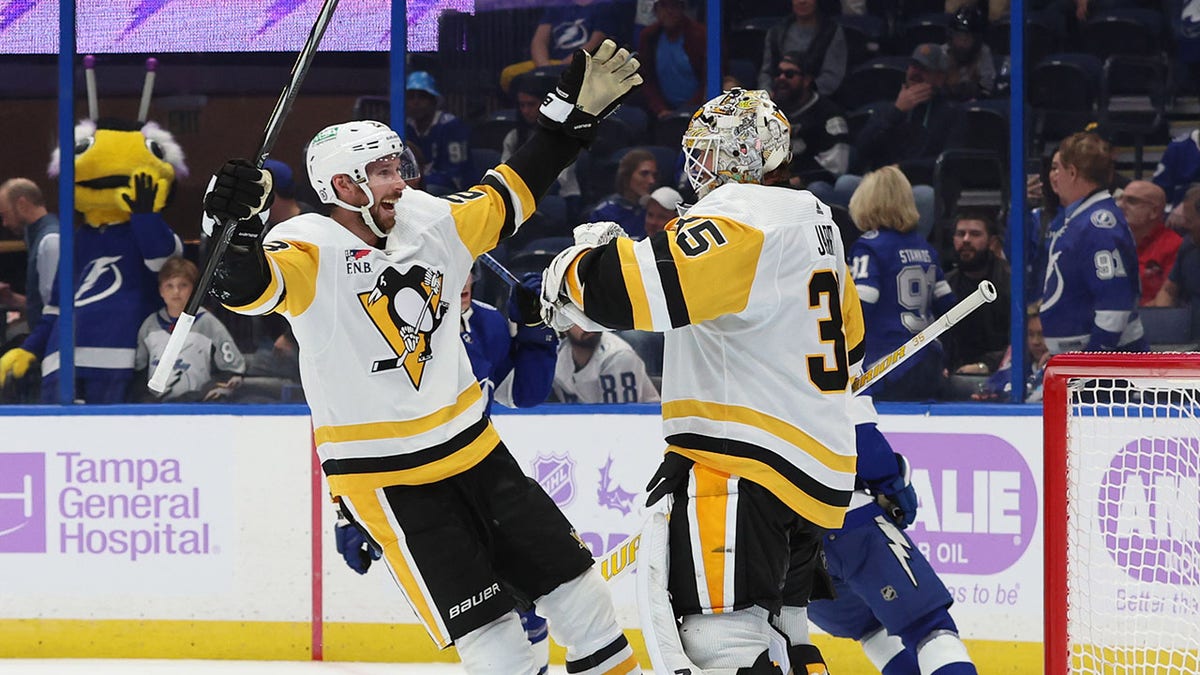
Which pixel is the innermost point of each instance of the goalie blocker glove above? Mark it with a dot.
(589, 90)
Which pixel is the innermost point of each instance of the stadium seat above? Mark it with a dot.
(554, 210)
(378, 108)
(612, 135)
(744, 71)
(746, 44)
(490, 134)
(876, 80)
(864, 33)
(1108, 34)
(1133, 99)
(922, 29)
(1063, 90)
(966, 177)
(987, 128)
(481, 159)
(668, 131)
(1040, 39)
(636, 119)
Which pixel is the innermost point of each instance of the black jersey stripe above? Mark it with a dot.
(510, 224)
(794, 475)
(669, 276)
(596, 658)
(412, 460)
(858, 352)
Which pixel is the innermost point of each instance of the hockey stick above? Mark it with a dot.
(572, 312)
(614, 563)
(283, 106)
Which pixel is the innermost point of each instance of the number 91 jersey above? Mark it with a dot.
(763, 327)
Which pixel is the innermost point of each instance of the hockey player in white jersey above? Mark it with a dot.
(372, 294)
(761, 452)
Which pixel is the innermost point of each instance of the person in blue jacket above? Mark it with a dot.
(441, 137)
(1091, 288)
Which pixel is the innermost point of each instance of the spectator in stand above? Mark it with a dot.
(999, 384)
(636, 175)
(283, 186)
(209, 367)
(23, 210)
(662, 206)
(582, 24)
(818, 37)
(1182, 286)
(900, 284)
(976, 345)
(529, 99)
(1090, 294)
(672, 52)
(1143, 204)
(600, 368)
(442, 137)
(972, 71)
(1178, 168)
(820, 134)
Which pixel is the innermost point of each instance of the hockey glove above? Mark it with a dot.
(354, 546)
(144, 191)
(523, 307)
(238, 191)
(589, 89)
(15, 364)
(671, 475)
(897, 496)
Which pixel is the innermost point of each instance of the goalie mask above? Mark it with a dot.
(348, 149)
(739, 137)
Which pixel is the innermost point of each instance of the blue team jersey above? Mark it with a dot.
(1091, 290)
(1179, 166)
(444, 148)
(495, 354)
(116, 287)
(902, 289)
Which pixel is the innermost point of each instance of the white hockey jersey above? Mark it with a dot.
(763, 326)
(615, 374)
(384, 370)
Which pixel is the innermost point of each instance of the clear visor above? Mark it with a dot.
(700, 161)
(397, 166)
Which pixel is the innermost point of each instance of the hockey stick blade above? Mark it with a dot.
(158, 382)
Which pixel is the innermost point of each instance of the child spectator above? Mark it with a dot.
(208, 348)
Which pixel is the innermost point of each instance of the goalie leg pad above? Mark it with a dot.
(497, 648)
(581, 617)
(727, 640)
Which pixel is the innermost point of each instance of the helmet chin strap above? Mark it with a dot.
(364, 211)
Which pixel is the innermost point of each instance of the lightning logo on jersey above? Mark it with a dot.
(898, 544)
(406, 308)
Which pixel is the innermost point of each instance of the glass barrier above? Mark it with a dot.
(969, 111)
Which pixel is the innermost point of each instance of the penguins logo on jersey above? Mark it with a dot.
(406, 308)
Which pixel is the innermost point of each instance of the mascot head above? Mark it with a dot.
(108, 154)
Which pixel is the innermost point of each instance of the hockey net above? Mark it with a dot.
(1122, 514)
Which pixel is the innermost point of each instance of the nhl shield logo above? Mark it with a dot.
(556, 475)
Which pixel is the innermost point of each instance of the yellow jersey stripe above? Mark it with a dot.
(825, 515)
(852, 316)
(452, 465)
(624, 667)
(523, 201)
(574, 286)
(712, 501)
(759, 420)
(299, 262)
(631, 273)
(373, 431)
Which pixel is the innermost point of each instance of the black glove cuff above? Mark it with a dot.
(576, 123)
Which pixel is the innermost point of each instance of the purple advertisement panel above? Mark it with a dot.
(156, 26)
(978, 500)
(22, 502)
(1148, 505)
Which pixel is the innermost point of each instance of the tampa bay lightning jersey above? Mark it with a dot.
(116, 288)
(444, 147)
(902, 289)
(1179, 166)
(1091, 289)
(496, 355)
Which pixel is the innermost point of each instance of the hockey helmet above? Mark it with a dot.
(347, 149)
(739, 136)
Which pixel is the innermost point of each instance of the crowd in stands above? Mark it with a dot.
(898, 112)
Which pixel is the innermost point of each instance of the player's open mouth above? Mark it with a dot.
(388, 204)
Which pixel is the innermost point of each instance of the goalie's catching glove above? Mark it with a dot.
(354, 546)
(238, 191)
(589, 89)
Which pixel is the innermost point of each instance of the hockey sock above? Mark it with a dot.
(888, 654)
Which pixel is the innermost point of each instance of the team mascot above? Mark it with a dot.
(124, 175)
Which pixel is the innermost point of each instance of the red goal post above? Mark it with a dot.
(1122, 513)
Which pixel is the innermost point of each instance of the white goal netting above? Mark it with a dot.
(1132, 594)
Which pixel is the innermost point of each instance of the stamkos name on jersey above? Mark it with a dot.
(915, 255)
(475, 600)
(356, 261)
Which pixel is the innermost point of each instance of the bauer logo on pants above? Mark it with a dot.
(23, 503)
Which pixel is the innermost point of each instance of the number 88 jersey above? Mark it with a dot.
(763, 328)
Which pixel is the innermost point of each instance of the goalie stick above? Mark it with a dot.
(617, 561)
(183, 326)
